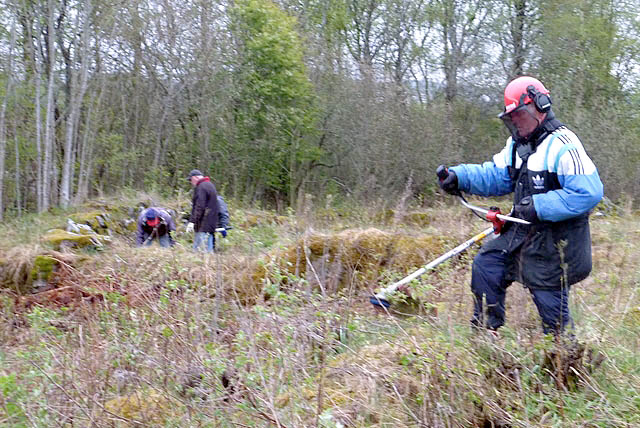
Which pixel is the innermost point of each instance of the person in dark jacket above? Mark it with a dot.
(555, 186)
(204, 212)
(155, 223)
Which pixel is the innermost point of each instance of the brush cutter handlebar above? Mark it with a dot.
(493, 214)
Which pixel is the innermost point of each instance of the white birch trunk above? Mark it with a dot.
(86, 150)
(3, 143)
(78, 90)
(82, 188)
(38, 84)
(49, 137)
(3, 116)
(87, 147)
(17, 172)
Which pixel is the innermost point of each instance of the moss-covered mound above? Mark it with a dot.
(99, 221)
(15, 268)
(353, 257)
(59, 238)
(26, 267)
(110, 220)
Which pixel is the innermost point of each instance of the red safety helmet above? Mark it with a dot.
(525, 90)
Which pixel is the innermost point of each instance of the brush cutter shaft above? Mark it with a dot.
(500, 216)
(460, 248)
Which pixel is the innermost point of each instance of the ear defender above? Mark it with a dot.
(540, 100)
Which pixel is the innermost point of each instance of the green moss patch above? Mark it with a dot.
(43, 267)
(149, 407)
(59, 238)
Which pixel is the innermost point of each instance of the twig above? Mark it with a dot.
(64, 391)
(261, 413)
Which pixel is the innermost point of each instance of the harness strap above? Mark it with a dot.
(548, 126)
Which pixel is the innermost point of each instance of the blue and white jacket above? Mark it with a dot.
(564, 184)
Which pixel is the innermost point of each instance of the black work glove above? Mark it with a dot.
(450, 183)
(526, 210)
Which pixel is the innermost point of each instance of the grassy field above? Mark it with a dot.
(276, 329)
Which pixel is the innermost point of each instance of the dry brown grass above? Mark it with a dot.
(16, 265)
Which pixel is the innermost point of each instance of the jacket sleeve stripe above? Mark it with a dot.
(576, 162)
(573, 151)
(566, 148)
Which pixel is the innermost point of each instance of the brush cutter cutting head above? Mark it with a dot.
(379, 301)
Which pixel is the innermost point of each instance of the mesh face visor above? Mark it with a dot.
(519, 119)
(508, 122)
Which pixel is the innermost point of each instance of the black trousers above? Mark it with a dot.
(488, 283)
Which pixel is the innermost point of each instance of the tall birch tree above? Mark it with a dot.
(50, 134)
(77, 88)
(3, 116)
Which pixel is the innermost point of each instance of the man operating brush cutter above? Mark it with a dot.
(547, 247)
(555, 185)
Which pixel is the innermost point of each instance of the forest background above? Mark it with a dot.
(274, 100)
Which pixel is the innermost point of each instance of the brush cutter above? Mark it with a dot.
(492, 215)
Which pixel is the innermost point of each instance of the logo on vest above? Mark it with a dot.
(538, 182)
